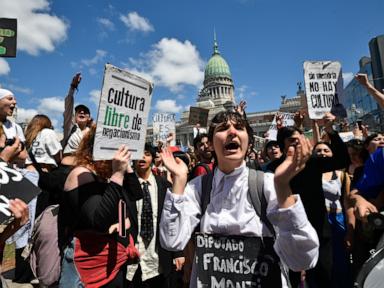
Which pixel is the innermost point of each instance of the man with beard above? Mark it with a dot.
(155, 268)
(204, 153)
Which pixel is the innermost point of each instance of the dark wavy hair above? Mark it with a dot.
(83, 156)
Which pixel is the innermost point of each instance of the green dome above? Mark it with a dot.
(217, 66)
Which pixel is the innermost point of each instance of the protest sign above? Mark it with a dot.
(198, 115)
(163, 126)
(8, 37)
(235, 261)
(13, 185)
(323, 86)
(123, 111)
(287, 120)
(347, 136)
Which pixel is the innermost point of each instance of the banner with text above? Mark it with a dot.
(123, 113)
(14, 185)
(287, 120)
(8, 37)
(323, 87)
(198, 115)
(235, 261)
(163, 126)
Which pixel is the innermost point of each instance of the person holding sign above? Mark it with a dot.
(95, 254)
(231, 220)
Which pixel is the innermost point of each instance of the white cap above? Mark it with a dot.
(4, 93)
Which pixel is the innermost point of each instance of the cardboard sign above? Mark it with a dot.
(287, 119)
(163, 125)
(235, 261)
(8, 37)
(123, 111)
(198, 116)
(13, 185)
(323, 87)
(347, 136)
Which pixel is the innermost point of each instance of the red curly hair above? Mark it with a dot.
(83, 156)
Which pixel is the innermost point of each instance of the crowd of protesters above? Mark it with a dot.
(123, 223)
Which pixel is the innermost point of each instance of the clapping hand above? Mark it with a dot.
(295, 161)
(177, 168)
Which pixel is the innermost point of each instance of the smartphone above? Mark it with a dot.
(122, 217)
(359, 123)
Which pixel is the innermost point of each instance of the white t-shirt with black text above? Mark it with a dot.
(45, 146)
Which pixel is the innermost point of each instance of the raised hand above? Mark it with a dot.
(174, 165)
(362, 78)
(20, 212)
(329, 119)
(178, 170)
(296, 158)
(121, 160)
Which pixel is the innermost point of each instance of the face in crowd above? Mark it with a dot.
(273, 151)
(204, 149)
(144, 164)
(231, 136)
(322, 150)
(82, 117)
(374, 142)
(7, 105)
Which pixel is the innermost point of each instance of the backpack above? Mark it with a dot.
(191, 174)
(43, 250)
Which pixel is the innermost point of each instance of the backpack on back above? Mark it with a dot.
(43, 251)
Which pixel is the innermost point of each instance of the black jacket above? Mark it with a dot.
(165, 257)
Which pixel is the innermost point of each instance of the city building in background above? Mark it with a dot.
(358, 103)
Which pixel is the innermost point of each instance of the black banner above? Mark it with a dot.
(8, 37)
(13, 185)
(236, 261)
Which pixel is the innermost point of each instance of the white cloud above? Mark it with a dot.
(135, 22)
(38, 30)
(347, 77)
(52, 105)
(15, 88)
(100, 55)
(4, 67)
(106, 23)
(95, 96)
(168, 105)
(25, 115)
(171, 63)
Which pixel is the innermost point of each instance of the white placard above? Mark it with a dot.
(163, 126)
(323, 87)
(123, 112)
(287, 120)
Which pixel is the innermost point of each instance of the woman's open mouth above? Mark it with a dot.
(232, 146)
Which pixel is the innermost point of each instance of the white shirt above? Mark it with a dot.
(45, 146)
(149, 259)
(11, 130)
(74, 140)
(231, 213)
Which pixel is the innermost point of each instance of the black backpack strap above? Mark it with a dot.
(33, 159)
(257, 197)
(206, 188)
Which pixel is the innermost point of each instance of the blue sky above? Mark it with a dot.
(265, 43)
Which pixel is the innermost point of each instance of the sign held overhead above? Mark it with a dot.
(323, 87)
(123, 112)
